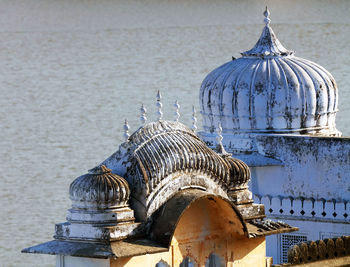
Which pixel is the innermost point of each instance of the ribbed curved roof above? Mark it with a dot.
(269, 90)
(163, 148)
(166, 147)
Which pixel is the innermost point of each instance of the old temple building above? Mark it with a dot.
(267, 171)
(278, 115)
(163, 199)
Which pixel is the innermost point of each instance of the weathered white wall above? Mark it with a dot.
(310, 190)
(267, 180)
(317, 167)
(293, 165)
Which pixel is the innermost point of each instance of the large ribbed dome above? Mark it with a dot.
(269, 90)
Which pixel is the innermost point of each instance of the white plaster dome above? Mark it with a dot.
(99, 189)
(269, 90)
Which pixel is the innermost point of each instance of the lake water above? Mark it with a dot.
(71, 71)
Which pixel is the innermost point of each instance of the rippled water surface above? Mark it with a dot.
(71, 71)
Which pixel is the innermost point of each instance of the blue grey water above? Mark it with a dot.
(71, 71)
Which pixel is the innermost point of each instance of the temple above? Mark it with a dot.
(267, 173)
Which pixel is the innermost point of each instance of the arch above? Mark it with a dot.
(166, 218)
(162, 263)
(176, 182)
(214, 260)
(188, 262)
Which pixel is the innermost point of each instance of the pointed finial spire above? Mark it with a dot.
(268, 45)
(126, 130)
(159, 106)
(267, 16)
(194, 119)
(219, 146)
(177, 113)
(219, 136)
(143, 117)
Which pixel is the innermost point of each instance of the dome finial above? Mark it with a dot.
(194, 119)
(143, 117)
(219, 146)
(267, 16)
(177, 113)
(159, 106)
(126, 130)
(268, 45)
(219, 136)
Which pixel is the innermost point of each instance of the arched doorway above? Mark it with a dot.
(188, 262)
(215, 260)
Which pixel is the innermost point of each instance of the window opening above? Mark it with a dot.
(288, 241)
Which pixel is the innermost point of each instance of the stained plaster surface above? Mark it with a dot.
(297, 166)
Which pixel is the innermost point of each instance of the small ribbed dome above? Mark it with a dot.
(99, 189)
(269, 90)
(239, 173)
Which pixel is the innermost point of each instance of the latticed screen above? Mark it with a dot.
(287, 241)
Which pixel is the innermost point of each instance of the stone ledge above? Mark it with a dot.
(117, 249)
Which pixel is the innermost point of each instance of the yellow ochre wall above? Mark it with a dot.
(207, 226)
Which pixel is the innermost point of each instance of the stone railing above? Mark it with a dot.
(305, 207)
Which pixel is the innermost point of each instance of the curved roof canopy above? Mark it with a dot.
(163, 157)
(162, 148)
